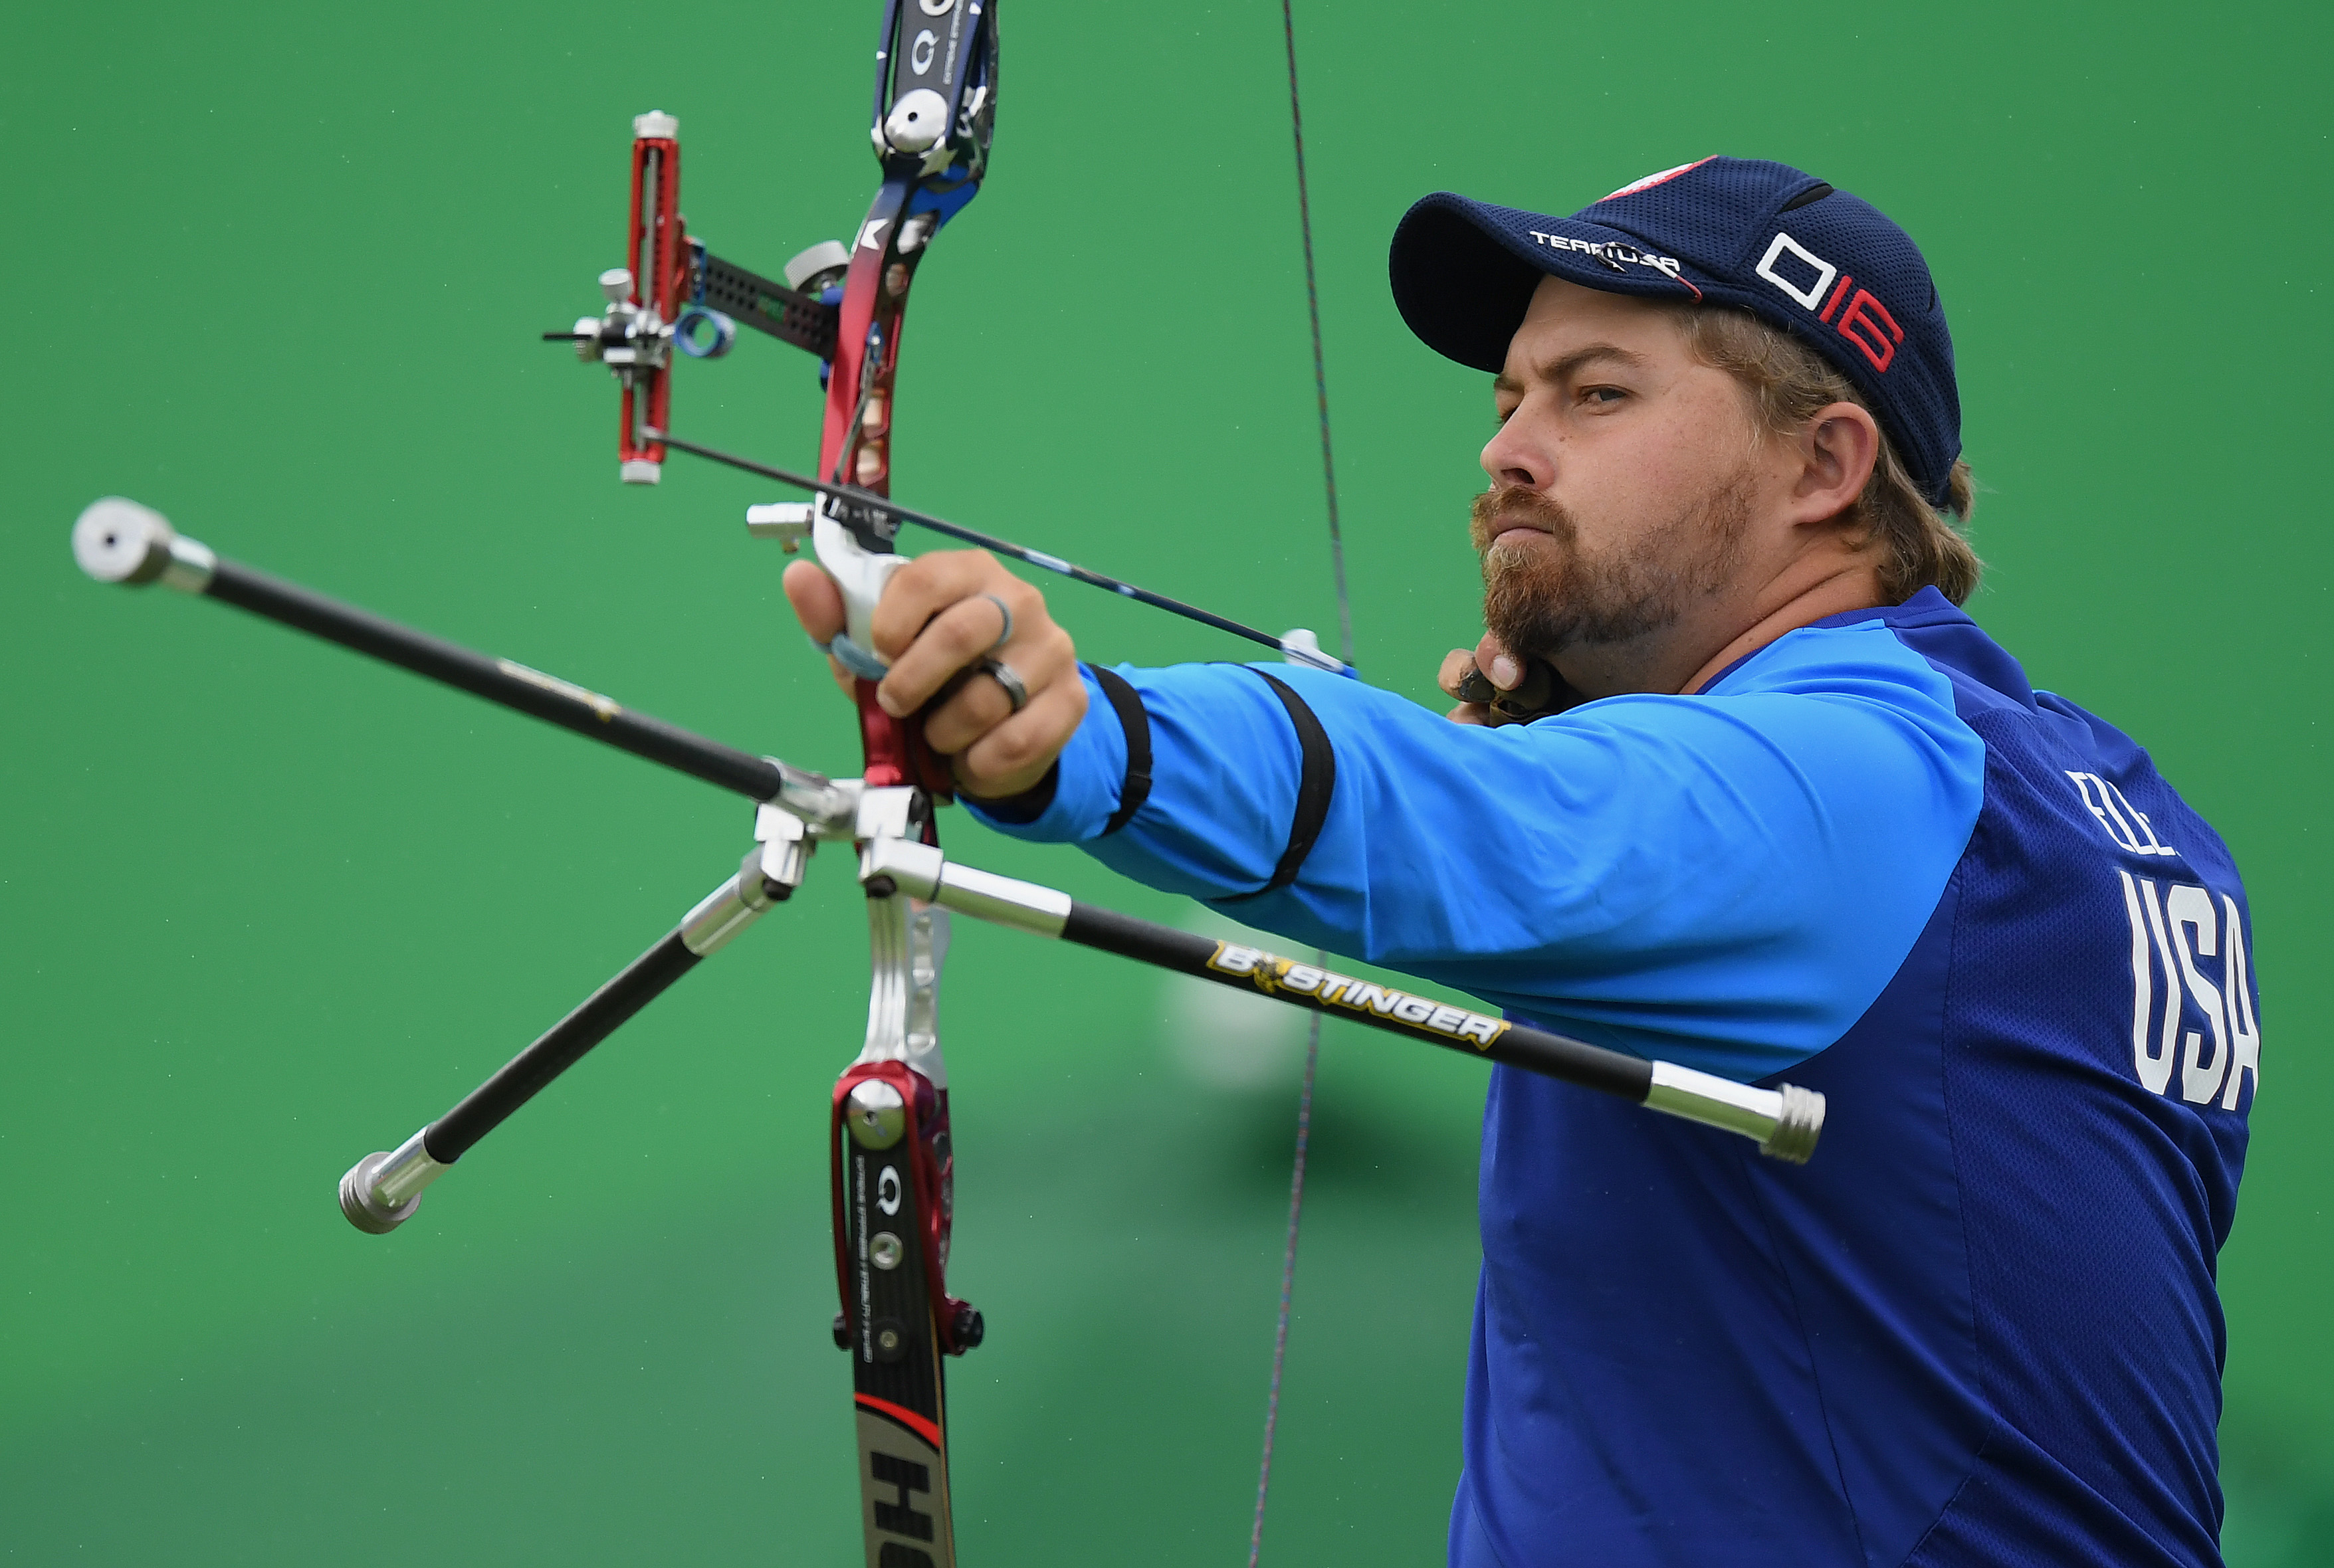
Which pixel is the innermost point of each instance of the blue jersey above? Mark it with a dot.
(1981, 1327)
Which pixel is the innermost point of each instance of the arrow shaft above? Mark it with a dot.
(883, 506)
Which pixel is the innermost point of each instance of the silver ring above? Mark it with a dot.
(1004, 636)
(1002, 673)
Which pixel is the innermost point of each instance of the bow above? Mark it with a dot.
(892, 1164)
(889, 1129)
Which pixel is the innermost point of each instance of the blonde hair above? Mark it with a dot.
(1787, 383)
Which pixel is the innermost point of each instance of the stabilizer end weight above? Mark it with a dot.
(364, 1210)
(116, 540)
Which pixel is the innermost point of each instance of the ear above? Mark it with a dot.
(1836, 450)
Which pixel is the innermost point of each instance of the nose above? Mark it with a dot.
(1512, 458)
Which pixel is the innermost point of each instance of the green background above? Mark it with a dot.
(279, 270)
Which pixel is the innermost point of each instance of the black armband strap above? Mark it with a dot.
(1136, 722)
(1023, 808)
(1316, 783)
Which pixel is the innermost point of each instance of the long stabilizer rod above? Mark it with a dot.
(381, 1190)
(1784, 1121)
(118, 541)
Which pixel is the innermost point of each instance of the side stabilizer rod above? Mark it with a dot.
(382, 1191)
(120, 541)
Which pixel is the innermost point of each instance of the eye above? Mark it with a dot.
(1603, 397)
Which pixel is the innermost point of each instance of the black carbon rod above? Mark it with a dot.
(1413, 1017)
(381, 1190)
(118, 541)
(498, 680)
(560, 1047)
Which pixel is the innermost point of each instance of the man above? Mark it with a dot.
(1787, 810)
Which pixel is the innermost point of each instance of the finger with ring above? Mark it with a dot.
(1003, 674)
(1005, 632)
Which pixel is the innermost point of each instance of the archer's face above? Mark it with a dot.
(1625, 476)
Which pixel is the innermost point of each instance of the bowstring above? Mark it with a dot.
(1345, 649)
(1320, 371)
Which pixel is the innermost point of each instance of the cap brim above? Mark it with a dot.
(1464, 271)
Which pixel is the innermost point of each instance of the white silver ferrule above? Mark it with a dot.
(190, 567)
(382, 1191)
(1714, 1102)
(727, 909)
(1002, 900)
(408, 1169)
(1784, 1121)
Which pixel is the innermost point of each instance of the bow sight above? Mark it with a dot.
(889, 1129)
(694, 301)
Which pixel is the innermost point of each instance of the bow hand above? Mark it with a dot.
(957, 632)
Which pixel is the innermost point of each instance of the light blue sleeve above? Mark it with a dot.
(1726, 880)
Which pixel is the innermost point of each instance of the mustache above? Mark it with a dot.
(1506, 506)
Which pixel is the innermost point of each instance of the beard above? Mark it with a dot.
(1540, 602)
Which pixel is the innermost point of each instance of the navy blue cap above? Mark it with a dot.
(1817, 262)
